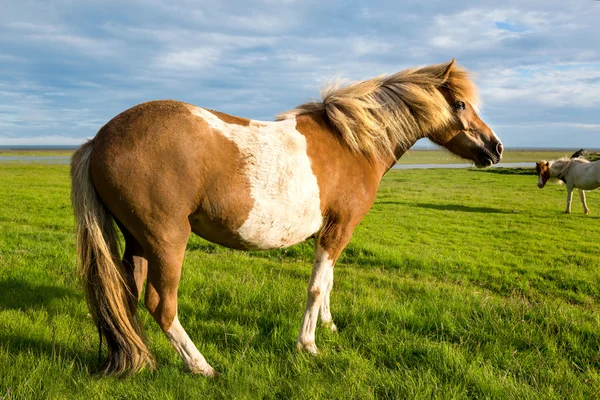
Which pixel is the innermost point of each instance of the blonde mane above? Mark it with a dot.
(375, 116)
(560, 166)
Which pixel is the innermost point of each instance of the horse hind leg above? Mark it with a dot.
(164, 272)
(582, 197)
(136, 265)
(136, 269)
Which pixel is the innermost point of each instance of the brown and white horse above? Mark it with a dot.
(163, 169)
(575, 173)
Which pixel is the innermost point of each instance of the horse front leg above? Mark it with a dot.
(569, 198)
(327, 250)
(326, 318)
(582, 197)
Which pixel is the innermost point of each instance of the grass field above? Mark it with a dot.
(458, 284)
(37, 153)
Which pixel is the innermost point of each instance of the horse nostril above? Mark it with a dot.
(499, 148)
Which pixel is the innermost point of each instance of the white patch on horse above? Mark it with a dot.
(287, 206)
(194, 361)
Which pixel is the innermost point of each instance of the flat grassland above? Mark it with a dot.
(458, 284)
(36, 153)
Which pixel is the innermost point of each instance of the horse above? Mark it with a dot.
(578, 154)
(163, 169)
(574, 172)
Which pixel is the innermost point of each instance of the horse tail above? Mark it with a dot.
(111, 303)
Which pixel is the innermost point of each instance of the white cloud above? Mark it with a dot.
(9, 58)
(363, 46)
(62, 37)
(68, 67)
(195, 59)
(551, 85)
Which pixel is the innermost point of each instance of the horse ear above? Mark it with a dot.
(448, 68)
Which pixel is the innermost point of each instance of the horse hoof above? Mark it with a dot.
(310, 348)
(331, 326)
(204, 370)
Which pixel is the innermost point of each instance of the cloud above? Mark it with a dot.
(60, 37)
(70, 67)
(551, 86)
(7, 58)
(196, 59)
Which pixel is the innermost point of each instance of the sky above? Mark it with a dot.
(67, 67)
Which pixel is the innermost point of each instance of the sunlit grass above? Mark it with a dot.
(458, 284)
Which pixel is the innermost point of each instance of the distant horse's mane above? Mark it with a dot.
(559, 166)
(374, 116)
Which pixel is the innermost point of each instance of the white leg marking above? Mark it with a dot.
(317, 287)
(193, 360)
(582, 196)
(326, 318)
(569, 198)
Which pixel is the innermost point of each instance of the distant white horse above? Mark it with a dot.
(574, 172)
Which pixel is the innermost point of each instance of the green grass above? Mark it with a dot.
(458, 284)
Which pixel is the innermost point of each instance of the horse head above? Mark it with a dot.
(542, 169)
(466, 135)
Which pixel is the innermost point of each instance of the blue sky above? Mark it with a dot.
(67, 67)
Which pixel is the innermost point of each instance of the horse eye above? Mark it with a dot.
(459, 105)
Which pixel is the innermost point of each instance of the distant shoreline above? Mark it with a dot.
(75, 147)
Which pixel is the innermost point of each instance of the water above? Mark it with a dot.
(36, 159)
(67, 160)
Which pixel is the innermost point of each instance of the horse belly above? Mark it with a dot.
(587, 180)
(276, 223)
(269, 225)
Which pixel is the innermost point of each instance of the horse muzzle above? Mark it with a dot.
(488, 156)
